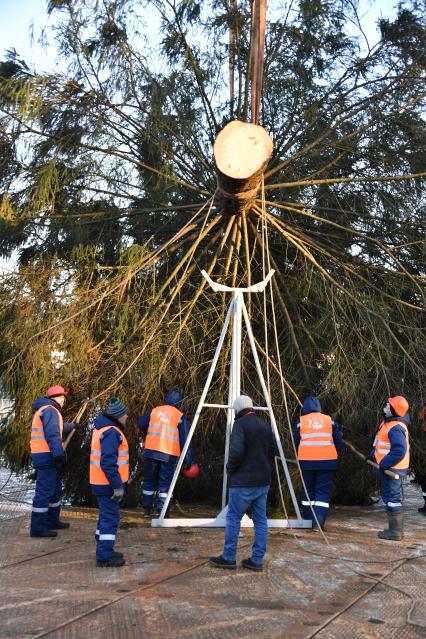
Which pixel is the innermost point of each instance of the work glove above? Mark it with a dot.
(118, 494)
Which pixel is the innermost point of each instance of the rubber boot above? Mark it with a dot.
(112, 562)
(60, 525)
(395, 530)
(45, 533)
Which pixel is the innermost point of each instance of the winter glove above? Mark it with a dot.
(59, 460)
(118, 494)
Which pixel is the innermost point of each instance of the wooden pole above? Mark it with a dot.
(368, 461)
(76, 420)
(257, 52)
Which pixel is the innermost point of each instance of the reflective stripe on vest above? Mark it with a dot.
(97, 475)
(316, 438)
(38, 442)
(382, 445)
(163, 431)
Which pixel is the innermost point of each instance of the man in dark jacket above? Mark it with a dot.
(418, 459)
(47, 455)
(318, 441)
(166, 430)
(251, 447)
(109, 473)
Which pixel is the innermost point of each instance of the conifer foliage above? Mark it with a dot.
(107, 187)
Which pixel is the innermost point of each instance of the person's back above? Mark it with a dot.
(250, 451)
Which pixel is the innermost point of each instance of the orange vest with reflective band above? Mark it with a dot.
(163, 432)
(97, 475)
(382, 444)
(38, 442)
(316, 438)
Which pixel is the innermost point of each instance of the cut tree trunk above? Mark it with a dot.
(242, 152)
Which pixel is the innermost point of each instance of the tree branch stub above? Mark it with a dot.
(242, 152)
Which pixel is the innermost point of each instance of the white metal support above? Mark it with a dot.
(234, 381)
(271, 412)
(237, 310)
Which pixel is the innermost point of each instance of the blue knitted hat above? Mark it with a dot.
(116, 408)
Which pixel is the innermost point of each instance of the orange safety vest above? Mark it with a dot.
(163, 432)
(97, 475)
(382, 445)
(316, 438)
(38, 442)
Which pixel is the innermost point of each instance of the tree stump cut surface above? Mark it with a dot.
(242, 152)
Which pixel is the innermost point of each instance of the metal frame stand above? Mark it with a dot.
(238, 311)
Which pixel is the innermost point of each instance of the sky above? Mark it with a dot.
(18, 17)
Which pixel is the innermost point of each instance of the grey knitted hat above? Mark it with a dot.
(116, 408)
(241, 402)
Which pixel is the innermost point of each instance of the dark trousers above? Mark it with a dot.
(108, 521)
(47, 499)
(319, 485)
(157, 479)
(422, 482)
(391, 492)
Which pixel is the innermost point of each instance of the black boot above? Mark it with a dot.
(44, 533)
(60, 525)
(147, 513)
(167, 513)
(220, 562)
(395, 531)
(112, 562)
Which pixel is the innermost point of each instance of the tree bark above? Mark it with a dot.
(242, 152)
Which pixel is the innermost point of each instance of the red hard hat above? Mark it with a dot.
(192, 472)
(55, 391)
(399, 404)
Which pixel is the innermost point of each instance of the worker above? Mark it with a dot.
(109, 473)
(47, 456)
(318, 441)
(392, 452)
(251, 448)
(166, 431)
(420, 470)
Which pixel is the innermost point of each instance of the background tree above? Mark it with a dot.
(109, 201)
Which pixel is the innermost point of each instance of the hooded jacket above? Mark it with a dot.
(52, 434)
(398, 443)
(110, 442)
(251, 447)
(313, 405)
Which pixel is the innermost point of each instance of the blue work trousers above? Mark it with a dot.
(240, 500)
(158, 476)
(391, 492)
(109, 519)
(47, 499)
(319, 485)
